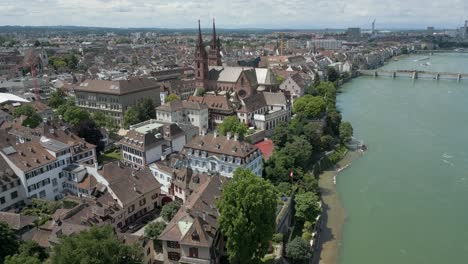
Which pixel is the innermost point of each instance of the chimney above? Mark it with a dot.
(215, 133)
(236, 136)
(228, 135)
(44, 120)
(134, 187)
(203, 132)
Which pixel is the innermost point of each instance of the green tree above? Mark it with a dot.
(333, 74)
(233, 125)
(8, 241)
(299, 150)
(70, 102)
(278, 167)
(333, 123)
(326, 142)
(307, 206)
(75, 115)
(25, 109)
(346, 132)
(57, 98)
(316, 79)
(97, 245)
(247, 216)
(298, 251)
(105, 121)
(131, 117)
(32, 248)
(71, 61)
(153, 230)
(280, 134)
(171, 97)
(326, 90)
(88, 130)
(146, 109)
(32, 121)
(310, 106)
(37, 43)
(22, 259)
(200, 91)
(169, 210)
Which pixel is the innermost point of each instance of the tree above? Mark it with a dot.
(153, 230)
(278, 167)
(280, 134)
(299, 150)
(37, 43)
(310, 106)
(333, 74)
(200, 91)
(32, 248)
(326, 142)
(32, 121)
(75, 115)
(247, 209)
(22, 259)
(57, 98)
(327, 90)
(96, 245)
(8, 241)
(130, 117)
(70, 102)
(333, 123)
(29, 253)
(71, 60)
(90, 132)
(169, 210)
(146, 109)
(298, 251)
(171, 97)
(307, 206)
(316, 79)
(25, 109)
(105, 121)
(346, 132)
(233, 125)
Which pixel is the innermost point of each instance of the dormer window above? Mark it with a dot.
(197, 152)
(238, 160)
(229, 159)
(189, 151)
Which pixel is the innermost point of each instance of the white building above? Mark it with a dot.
(328, 44)
(213, 153)
(184, 112)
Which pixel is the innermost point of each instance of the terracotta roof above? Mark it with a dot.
(29, 156)
(266, 147)
(17, 221)
(118, 87)
(141, 141)
(253, 103)
(214, 102)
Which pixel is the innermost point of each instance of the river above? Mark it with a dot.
(406, 199)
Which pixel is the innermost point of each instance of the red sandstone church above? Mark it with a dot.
(212, 76)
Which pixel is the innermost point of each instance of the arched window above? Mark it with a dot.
(242, 81)
(198, 65)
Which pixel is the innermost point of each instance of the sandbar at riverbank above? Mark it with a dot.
(333, 215)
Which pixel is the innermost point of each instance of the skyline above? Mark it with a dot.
(235, 14)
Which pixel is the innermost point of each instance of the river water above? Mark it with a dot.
(406, 199)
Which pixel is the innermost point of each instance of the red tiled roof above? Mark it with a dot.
(266, 147)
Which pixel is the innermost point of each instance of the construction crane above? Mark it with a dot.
(373, 27)
(30, 61)
(282, 43)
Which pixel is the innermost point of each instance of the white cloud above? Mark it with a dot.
(235, 13)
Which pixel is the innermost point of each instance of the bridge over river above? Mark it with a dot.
(415, 74)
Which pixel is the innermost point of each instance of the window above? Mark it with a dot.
(142, 202)
(131, 209)
(2, 200)
(193, 252)
(173, 256)
(173, 244)
(14, 195)
(154, 196)
(148, 251)
(42, 194)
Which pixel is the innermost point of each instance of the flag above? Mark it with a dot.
(291, 174)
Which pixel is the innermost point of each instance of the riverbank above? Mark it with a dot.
(333, 215)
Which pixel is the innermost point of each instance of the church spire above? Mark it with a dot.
(214, 40)
(200, 40)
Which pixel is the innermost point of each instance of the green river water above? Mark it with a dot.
(406, 199)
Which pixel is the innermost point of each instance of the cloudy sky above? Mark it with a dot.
(311, 14)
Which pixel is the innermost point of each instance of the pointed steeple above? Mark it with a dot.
(200, 40)
(214, 40)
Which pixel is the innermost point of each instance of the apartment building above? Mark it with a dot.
(278, 110)
(214, 153)
(184, 112)
(193, 235)
(11, 190)
(114, 97)
(151, 140)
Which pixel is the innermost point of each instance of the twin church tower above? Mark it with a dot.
(204, 59)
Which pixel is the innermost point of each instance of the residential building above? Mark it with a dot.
(151, 140)
(327, 44)
(278, 110)
(19, 223)
(193, 235)
(81, 151)
(294, 87)
(184, 112)
(12, 193)
(114, 97)
(214, 153)
(219, 107)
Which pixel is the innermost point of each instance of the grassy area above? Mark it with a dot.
(109, 156)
